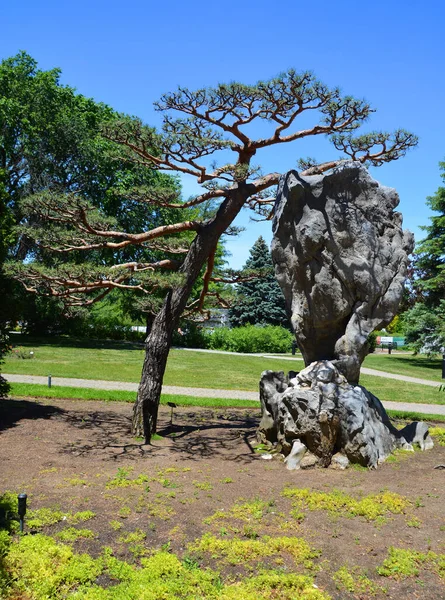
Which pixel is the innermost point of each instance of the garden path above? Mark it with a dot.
(436, 409)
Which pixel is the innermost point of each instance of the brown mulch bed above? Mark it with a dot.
(64, 452)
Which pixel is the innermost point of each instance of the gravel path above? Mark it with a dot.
(436, 409)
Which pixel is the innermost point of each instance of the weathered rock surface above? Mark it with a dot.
(318, 410)
(340, 257)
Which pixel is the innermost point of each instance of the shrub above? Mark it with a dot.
(252, 339)
(22, 353)
(191, 335)
(372, 341)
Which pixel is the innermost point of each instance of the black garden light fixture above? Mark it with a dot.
(172, 406)
(22, 509)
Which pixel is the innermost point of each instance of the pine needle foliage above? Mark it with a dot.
(260, 300)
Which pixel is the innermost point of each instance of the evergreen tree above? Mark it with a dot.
(51, 141)
(430, 253)
(259, 301)
(423, 324)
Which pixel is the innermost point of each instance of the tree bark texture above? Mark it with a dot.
(157, 344)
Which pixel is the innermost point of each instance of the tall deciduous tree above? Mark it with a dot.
(211, 122)
(50, 140)
(259, 301)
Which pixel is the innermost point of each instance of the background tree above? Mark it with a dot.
(6, 238)
(50, 140)
(259, 301)
(430, 252)
(423, 324)
(217, 121)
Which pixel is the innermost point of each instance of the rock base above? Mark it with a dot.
(318, 410)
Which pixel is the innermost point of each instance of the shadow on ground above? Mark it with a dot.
(73, 342)
(12, 411)
(193, 435)
(90, 429)
(433, 364)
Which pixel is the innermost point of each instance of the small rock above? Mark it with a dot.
(293, 459)
(309, 460)
(340, 461)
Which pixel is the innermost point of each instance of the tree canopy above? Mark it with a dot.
(51, 145)
(423, 324)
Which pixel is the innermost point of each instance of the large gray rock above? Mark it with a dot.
(319, 410)
(340, 257)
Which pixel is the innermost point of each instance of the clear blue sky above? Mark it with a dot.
(128, 53)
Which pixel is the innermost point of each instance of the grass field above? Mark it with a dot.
(406, 364)
(26, 390)
(124, 362)
(61, 357)
(42, 391)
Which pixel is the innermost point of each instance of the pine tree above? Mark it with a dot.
(430, 260)
(259, 301)
(233, 121)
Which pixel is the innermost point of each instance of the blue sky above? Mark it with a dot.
(128, 53)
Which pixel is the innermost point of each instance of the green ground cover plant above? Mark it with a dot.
(123, 479)
(41, 568)
(371, 507)
(236, 551)
(354, 581)
(71, 534)
(39, 518)
(404, 562)
(438, 434)
(243, 510)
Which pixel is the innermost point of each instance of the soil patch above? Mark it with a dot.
(80, 456)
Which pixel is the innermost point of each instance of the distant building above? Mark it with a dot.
(219, 317)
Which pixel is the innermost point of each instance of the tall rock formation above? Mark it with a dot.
(340, 257)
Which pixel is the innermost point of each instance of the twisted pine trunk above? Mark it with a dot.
(157, 344)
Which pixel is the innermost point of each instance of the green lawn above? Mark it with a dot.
(406, 364)
(401, 391)
(61, 357)
(23, 390)
(123, 363)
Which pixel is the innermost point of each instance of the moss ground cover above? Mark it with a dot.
(404, 562)
(370, 507)
(354, 581)
(43, 569)
(438, 434)
(236, 551)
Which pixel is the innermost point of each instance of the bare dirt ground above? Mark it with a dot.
(66, 455)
